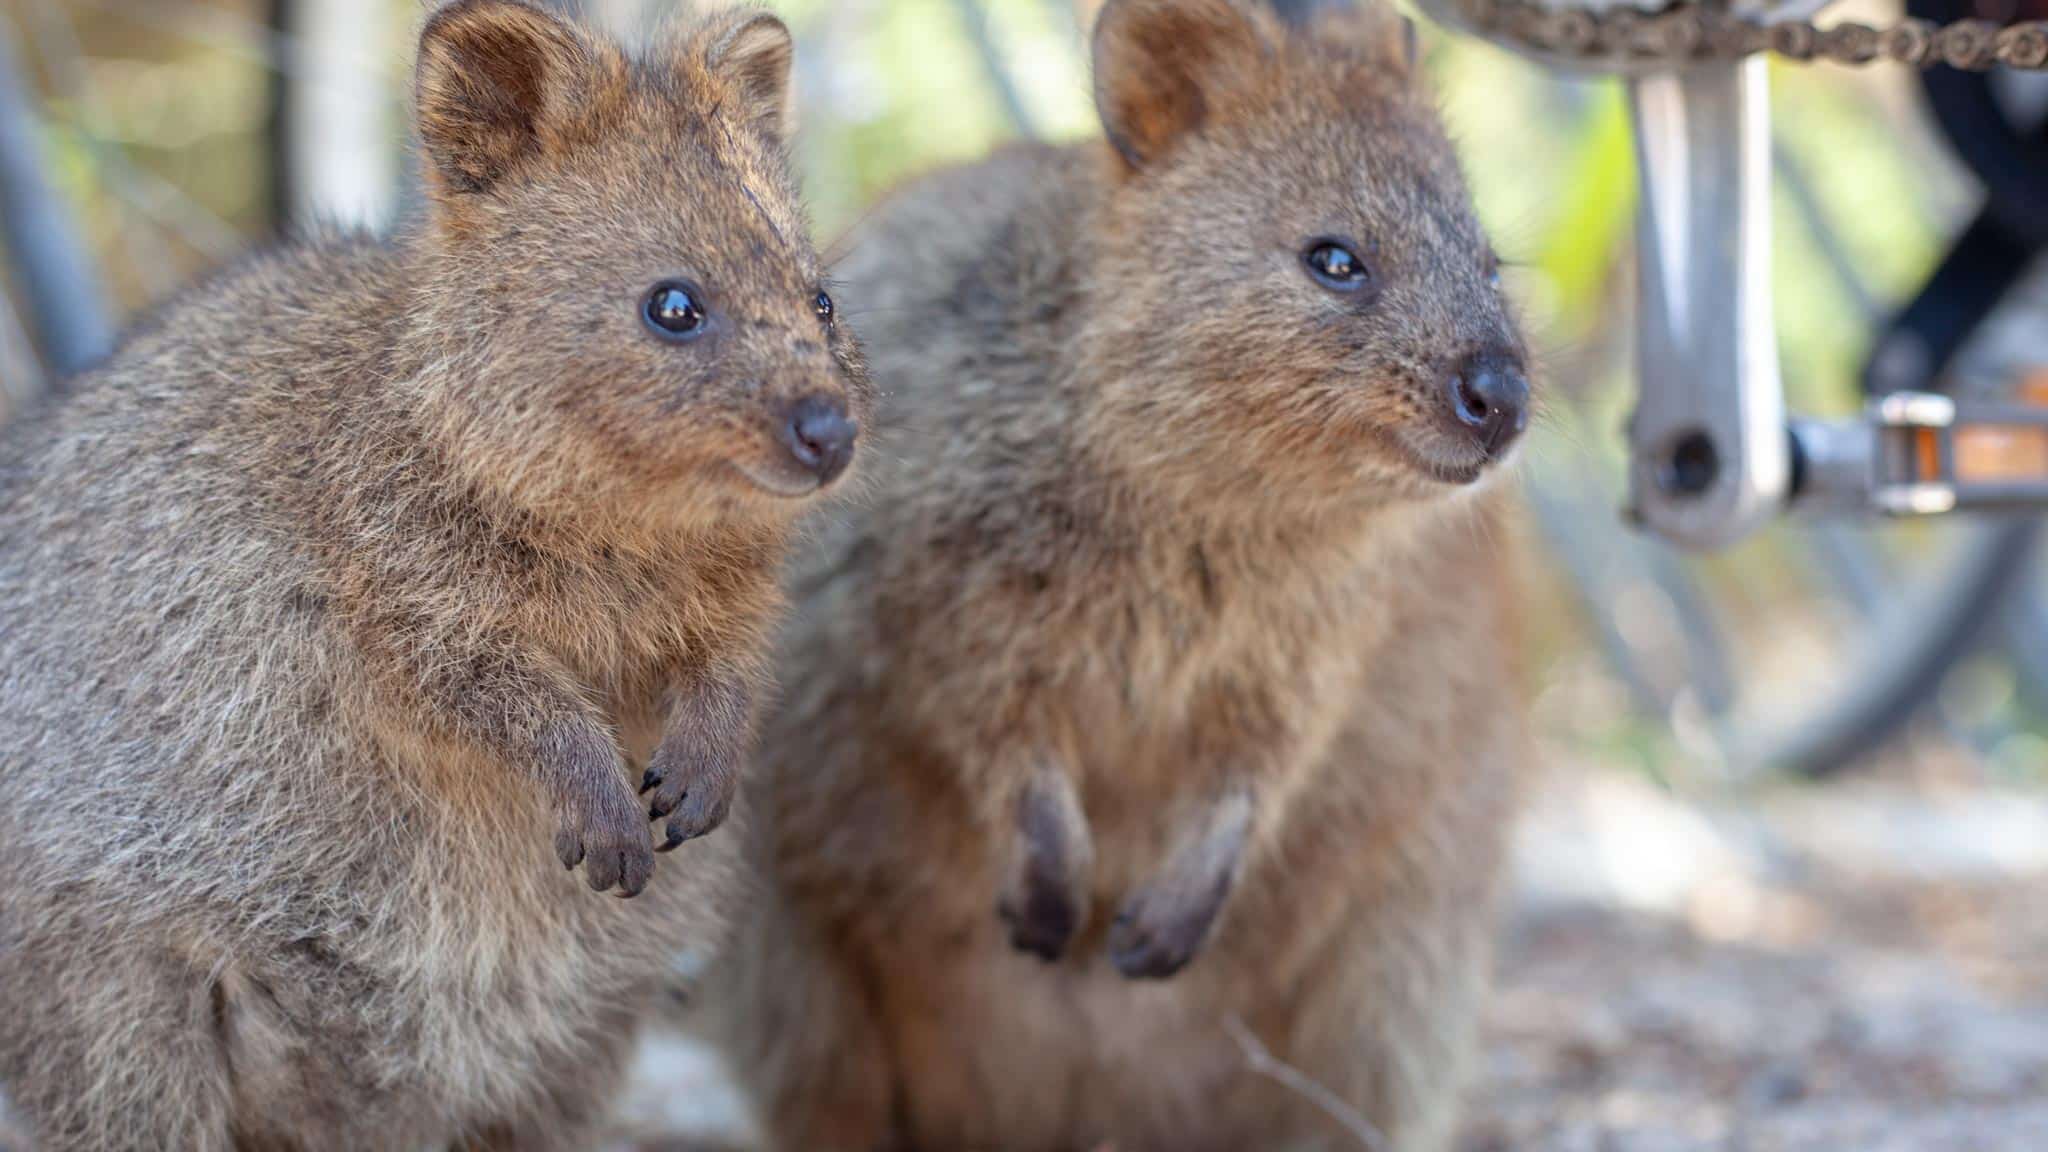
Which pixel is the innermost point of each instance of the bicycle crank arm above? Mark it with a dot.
(1922, 454)
(1707, 445)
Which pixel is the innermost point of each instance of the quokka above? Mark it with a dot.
(370, 584)
(1161, 698)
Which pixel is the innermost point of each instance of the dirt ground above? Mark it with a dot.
(1859, 969)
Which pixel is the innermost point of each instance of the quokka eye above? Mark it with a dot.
(823, 304)
(675, 310)
(1336, 265)
(1493, 271)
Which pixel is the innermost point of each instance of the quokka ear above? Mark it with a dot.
(751, 52)
(496, 82)
(1164, 68)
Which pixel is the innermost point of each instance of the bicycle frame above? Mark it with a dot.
(1713, 455)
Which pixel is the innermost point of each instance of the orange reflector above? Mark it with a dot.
(1990, 452)
(1926, 454)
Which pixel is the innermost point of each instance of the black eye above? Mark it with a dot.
(1493, 272)
(824, 306)
(675, 310)
(1336, 267)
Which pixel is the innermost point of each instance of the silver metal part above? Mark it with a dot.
(1915, 410)
(1837, 465)
(1709, 454)
(1914, 499)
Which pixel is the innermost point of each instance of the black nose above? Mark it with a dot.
(820, 435)
(1489, 397)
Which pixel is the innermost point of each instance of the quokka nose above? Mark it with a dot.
(1489, 396)
(820, 435)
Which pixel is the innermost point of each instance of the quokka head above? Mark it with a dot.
(1303, 302)
(618, 284)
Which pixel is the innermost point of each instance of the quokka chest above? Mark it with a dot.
(1141, 671)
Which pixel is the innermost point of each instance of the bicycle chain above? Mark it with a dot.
(1687, 32)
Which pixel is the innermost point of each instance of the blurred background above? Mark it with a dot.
(1783, 884)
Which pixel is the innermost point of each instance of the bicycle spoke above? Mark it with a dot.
(974, 19)
(1834, 254)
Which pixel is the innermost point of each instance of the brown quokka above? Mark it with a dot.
(371, 584)
(1176, 639)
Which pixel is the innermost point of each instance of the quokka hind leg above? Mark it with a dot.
(1389, 1031)
(112, 1052)
(790, 1014)
(574, 1102)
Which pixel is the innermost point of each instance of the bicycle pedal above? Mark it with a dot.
(1936, 454)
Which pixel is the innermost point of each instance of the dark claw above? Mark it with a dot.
(1142, 954)
(662, 806)
(650, 780)
(1154, 936)
(1044, 925)
(1163, 926)
(697, 814)
(676, 839)
(1145, 958)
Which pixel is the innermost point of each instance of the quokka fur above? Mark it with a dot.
(366, 586)
(1163, 686)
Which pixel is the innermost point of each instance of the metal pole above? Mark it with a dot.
(53, 270)
(344, 167)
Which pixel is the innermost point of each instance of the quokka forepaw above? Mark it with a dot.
(689, 786)
(1166, 923)
(608, 837)
(1045, 890)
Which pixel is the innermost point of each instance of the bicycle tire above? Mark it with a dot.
(1945, 624)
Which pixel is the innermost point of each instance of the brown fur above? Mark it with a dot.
(349, 601)
(1169, 633)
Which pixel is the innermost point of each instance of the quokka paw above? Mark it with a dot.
(695, 796)
(1165, 924)
(1045, 894)
(1159, 930)
(1042, 914)
(610, 841)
